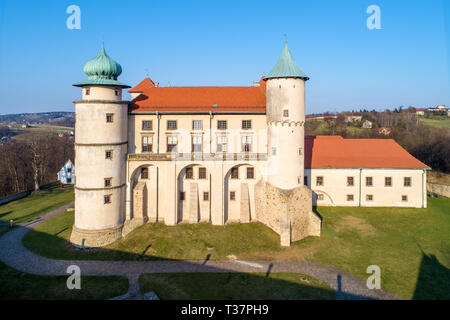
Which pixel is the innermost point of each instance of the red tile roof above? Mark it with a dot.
(194, 99)
(337, 152)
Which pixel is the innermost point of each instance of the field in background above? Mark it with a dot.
(42, 130)
(438, 123)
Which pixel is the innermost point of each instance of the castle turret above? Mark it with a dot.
(100, 154)
(285, 107)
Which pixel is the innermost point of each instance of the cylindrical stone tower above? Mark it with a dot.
(100, 154)
(285, 108)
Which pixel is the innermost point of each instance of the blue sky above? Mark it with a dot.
(191, 43)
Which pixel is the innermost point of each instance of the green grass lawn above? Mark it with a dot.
(411, 246)
(236, 286)
(438, 123)
(16, 285)
(36, 204)
(23, 134)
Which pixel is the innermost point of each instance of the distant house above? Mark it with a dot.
(420, 112)
(367, 124)
(67, 173)
(384, 131)
(353, 118)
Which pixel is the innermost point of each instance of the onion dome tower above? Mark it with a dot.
(100, 154)
(285, 105)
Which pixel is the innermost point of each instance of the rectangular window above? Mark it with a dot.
(88, 91)
(147, 143)
(320, 196)
(305, 180)
(369, 197)
(202, 173)
(107, 199)
(108, 182)
(147, 125)
(246, 143)
(182, 195)
(246, 124)
(108, 154)
(205, 196)
(144, 173)
(388, 181)
(350, 181)
(172, 142)
(189, 173)
(235, 173)
(404, 198)
(250, 173)
(274, 151)
(69, 169)
(232, 195)
(69, 180)
(197, 125)
(349, 197)
(319, 181)
(285, 113)
(222, 124)
(110, 117)
(369, 181)
(407, 181)
(171, 124)
(222, 142)
(116, 92)
(196, 144)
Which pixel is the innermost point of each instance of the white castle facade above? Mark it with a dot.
(221, 155)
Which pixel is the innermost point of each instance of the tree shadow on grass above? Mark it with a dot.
(433, 281)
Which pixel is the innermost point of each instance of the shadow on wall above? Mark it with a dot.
(433, 281)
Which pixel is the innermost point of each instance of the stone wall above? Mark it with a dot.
(442, 189)
(287, 212)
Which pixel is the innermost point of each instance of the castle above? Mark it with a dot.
(220, 155)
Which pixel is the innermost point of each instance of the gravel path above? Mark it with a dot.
(14, 254)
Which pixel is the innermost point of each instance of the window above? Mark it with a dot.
(147, 144)
(147, 125)
(305, 180)
(349, 197)
(108, 154)
(69, 169)
(189, 173)
(407, 181)
(232, 195)
(205, 196)
(319, 181)
(235, 173)
(196, 144)
(69, 180)
(197, 125)
(222, 124)
(222, 144)
(320, 196)
(202, 173)
(182, 195)
(250, 173)
(172, 142)
(388, 181)
(171, 124)
(144, 173)
(116, 92)
(108, 182)
(350, 181)
(299, 151)
(285, 113)
(369, 181)
(274, 151)
(246, 143)
(404, 198)
(107, 199)
(88, 91)
(110, 117)
(369, 197)
(246, 124)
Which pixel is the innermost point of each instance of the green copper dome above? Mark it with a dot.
(102, 70)
(286, 67)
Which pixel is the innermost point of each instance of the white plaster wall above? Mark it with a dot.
(99, 92)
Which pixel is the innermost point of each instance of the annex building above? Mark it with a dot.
(221, 155)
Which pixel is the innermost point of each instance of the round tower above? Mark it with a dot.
(100, 154)
(285, 108)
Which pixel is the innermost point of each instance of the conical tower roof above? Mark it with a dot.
(102, 70)
(286, 67)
